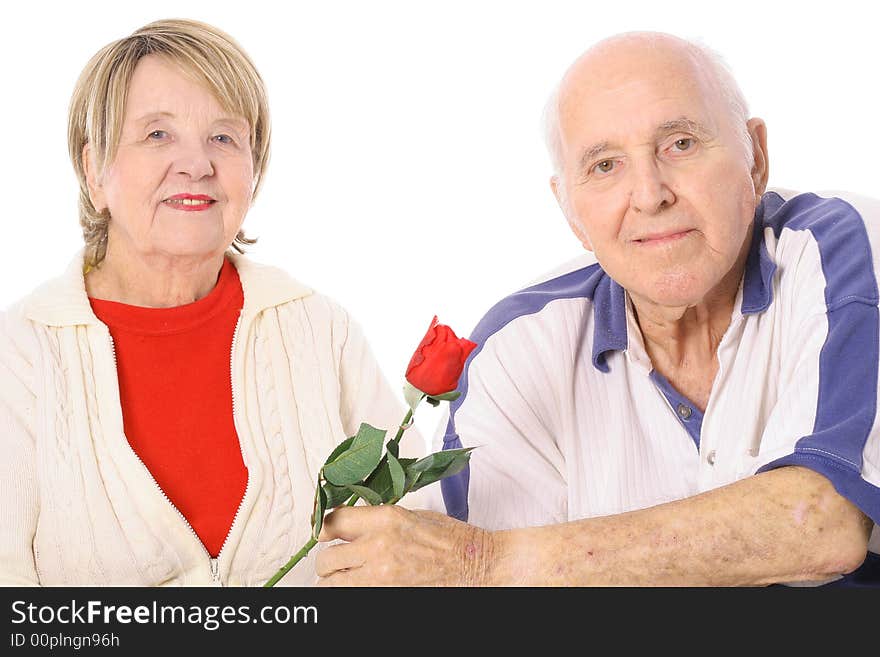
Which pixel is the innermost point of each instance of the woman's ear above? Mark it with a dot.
(96, 192)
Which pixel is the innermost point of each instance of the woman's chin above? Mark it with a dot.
(192, 250)
(193, 243)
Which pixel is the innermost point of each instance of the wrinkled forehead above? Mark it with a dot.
(619, 89)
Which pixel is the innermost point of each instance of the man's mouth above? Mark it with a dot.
(663, 238)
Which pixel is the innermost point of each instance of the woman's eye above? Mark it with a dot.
(157, 134)
(683, 144)
(604, 166)
(224, 139)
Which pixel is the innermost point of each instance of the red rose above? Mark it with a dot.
(435, 367)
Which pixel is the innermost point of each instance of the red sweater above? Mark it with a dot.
(176, 393)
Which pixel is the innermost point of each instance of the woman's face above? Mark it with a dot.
(182, 179)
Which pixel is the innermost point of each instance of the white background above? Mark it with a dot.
(408, 174)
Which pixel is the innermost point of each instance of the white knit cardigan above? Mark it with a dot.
(78, 507)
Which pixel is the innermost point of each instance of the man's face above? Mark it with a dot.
(656, 180)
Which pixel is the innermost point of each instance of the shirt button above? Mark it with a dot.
(710, 457)
(684, 412)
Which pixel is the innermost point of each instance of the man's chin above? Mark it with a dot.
(681, 290)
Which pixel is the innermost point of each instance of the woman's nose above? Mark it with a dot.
(194, 161)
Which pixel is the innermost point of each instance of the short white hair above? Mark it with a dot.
(719, 73)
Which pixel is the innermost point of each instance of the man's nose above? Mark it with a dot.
(650, 192)
(194, 161)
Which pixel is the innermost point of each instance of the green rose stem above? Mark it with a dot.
(305, 549)
(403, 426)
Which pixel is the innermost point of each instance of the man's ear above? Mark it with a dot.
(558, 189)
(761, 162)
(96, 191)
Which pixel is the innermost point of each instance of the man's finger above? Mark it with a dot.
(338, 557)
(339, 578)
(353, 577)
(346, 523)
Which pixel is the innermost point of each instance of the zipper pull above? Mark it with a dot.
(215, 570)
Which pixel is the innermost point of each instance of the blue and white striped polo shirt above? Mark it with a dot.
(572, 422)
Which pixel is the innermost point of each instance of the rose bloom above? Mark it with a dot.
(438, 361)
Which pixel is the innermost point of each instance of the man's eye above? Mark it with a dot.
(683, 144)
(604, 166)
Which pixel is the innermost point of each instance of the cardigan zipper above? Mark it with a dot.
(247, 484)
(214, 562)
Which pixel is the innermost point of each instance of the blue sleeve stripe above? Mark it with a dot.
(847, 401)
(455, 488)
(577, 284)
(843, 243)
(848, 363)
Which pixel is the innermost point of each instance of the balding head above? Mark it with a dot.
(610, 60)
(659, 170)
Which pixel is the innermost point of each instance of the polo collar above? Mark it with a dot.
(609, 313)
(757, 286)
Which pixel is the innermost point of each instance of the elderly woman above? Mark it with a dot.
(166, 403)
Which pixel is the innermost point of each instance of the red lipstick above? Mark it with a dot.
(189, 202)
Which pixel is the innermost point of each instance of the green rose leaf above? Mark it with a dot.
(398, 477)
(388, 480)
(356, 462)
(318, 513)
(336, 495)
(439, 465)
(411, 476)
(380, 481)
(371, 496)
(341, 447)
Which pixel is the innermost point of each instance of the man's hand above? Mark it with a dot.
(391, 546)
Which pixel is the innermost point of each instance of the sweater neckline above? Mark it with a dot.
(62, 300)
(164, 321)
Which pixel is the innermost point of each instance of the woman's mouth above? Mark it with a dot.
(189, 202)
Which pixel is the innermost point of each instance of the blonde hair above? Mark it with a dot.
(97, 106)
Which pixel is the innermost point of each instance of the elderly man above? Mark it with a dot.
(698, 407)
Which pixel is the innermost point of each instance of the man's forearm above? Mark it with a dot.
(785, 525)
